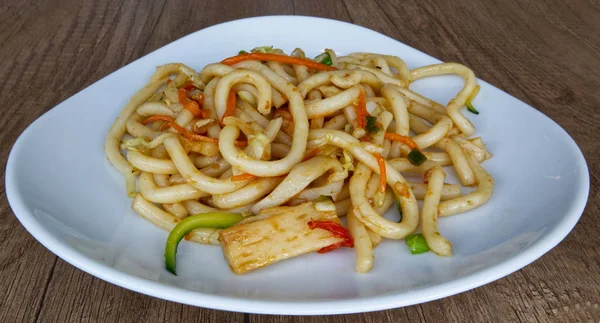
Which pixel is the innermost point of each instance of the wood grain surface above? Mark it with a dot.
(546, 53)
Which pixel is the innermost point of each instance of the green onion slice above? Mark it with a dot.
(417, 244)
(324, 58)
(416, 157)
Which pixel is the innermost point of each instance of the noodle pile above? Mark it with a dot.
(264, 130)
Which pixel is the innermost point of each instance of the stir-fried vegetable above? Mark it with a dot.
(324, 203)
(371, 126)
(471, 108)
(417, 244)
(416, 157)
(217, 220)
(231, 102)
(324, 58)
(242, 177)
(337, 230)
(361, 109)
(277, 58)
(170, 121)
(399, 208)
(468, 104)
(382, 172)
(311, 154)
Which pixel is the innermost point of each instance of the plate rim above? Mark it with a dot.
(293, 307)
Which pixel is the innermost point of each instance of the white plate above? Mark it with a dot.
(69, 197)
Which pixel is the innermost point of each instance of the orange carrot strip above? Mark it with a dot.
(189, 86)
(231, 101)
(194, 108)
(183, 98)
(157, 118)
(382, 172)
(361, 109)
(192, 136)
(241, 143)
(170, 121)
(311, 154)
(166, 125)
(242, 177)
(201, 99)
(403, 139)
(277, 58)
(205, 113)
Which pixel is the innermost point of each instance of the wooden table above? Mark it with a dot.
(546, 53)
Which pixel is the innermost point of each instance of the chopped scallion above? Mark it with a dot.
(324, 59)
(417, 244)
(416, 157)
(371, 125)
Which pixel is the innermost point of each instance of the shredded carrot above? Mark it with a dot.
(170, 121)
(382, 172)
(403, 139)
(201, 99)
(189, 86)
(311, 154)
(241, 143)
(165, 126)
(205, 113)
(194, 108)
(242, 177)
(183, 98)
(157, 118)
(337, 230)
(231, 101)
(277, 58)
(361, 109)
(192, 136)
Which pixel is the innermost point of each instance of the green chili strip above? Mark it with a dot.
(471, 108)
(217, 220)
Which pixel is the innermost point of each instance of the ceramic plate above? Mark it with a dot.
(67, 195)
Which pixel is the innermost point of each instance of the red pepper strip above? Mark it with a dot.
(337, 230)
(277, 58)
